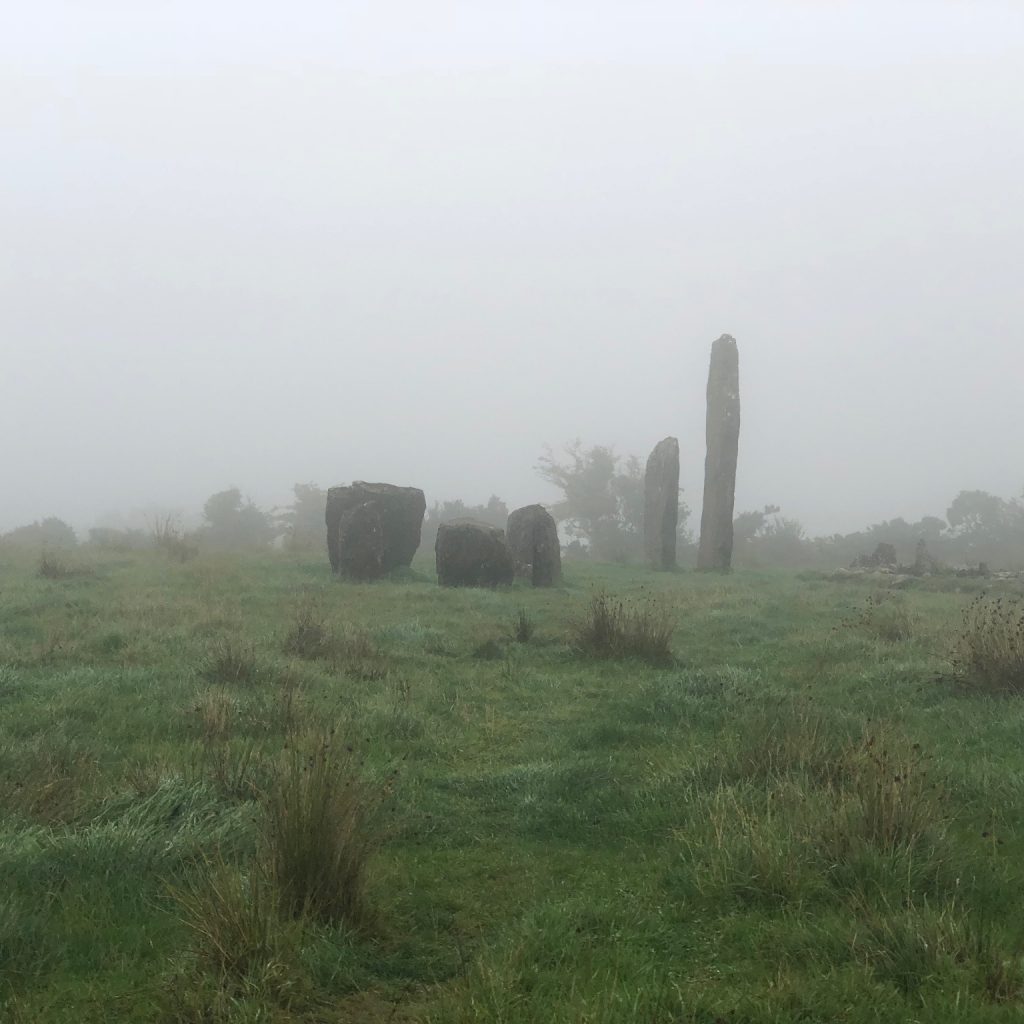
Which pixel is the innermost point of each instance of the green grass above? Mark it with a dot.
(801, 807)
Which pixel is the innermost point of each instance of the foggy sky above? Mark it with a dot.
(257, 244)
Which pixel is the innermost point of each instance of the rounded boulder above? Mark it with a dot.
(472, 554)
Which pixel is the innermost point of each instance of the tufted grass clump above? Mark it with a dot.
(351, 650)
(523, 627)
(233, 662)
(231, 916)
(751, 844)
(849, 817)
(53, 567)
(888, 617)
(214, 712)
(321, 831)
(318, 831)
(309, 636)
(988, 653)
(913, 942)
(889, 798)
(621, 627)
(236, 769)
(48, 781)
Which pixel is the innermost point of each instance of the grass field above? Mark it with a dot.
(804, 815)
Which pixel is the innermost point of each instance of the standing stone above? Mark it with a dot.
(360, 534)
(661, 504)
(533, 541)
(472, 554)
(723, 435)
(383, 537)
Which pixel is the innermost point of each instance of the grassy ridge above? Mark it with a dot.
(801, 817)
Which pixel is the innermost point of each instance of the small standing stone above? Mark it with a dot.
(472, 554)
(661, 504)
(723, 434)
(533, 541)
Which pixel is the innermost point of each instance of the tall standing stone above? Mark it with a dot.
(661, 504)
(723, 435)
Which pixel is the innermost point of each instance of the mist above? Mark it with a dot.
(251, 247)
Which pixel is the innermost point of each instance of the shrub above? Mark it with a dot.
(989, 650)
(233, 523)
(321, 831)
(171, 539)
(623, 628)
(50, 533)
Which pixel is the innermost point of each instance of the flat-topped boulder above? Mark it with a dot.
(469, 553)
(373, 528)
(533, 542)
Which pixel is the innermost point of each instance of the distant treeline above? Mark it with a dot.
(977, 527)
(600, 516)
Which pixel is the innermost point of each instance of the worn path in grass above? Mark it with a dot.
(802, 818)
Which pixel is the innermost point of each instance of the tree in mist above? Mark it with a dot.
(302, 522)
(763, 537)
(231, 522)
(749, 525)
(980, 514)
(50, 533)
(602, 500)
(988, 528)
(113, 538)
